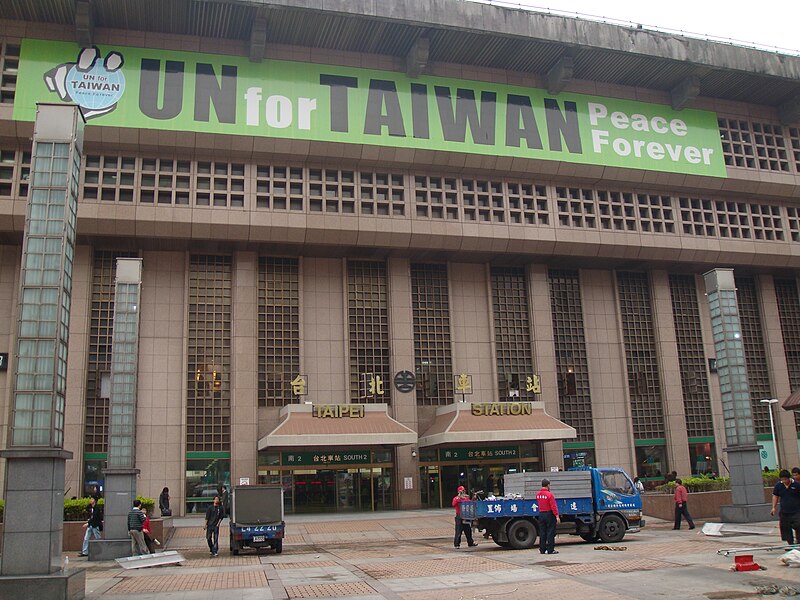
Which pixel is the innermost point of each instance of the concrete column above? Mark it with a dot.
(35, 455)
(325, 353)
(746, 483)
(9, 301)
(244, 368)
(671, 389)
(471, 330)
(608, 380)
(544, 354)
(75, 413)
(785, 431)
(121, 473)
(713, 379)
(161, 428)
(404, 405)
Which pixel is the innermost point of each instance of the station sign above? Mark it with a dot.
(461, 454)
(304, 458)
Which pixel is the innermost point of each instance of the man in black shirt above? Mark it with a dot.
(93, 526)
(787, 491)
(214, 516)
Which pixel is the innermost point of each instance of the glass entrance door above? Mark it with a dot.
(315, 491)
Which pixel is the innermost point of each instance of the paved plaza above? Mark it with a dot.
(409, 556)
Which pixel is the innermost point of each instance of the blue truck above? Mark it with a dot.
(256, 519)
(595, 504)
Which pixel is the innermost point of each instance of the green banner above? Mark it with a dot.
(451, 454)
(191, 91)
(349, 457)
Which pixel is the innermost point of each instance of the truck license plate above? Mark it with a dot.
(258, 538)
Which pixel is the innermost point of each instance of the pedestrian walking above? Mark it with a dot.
(787, 492)
(147, 534)
(214, 516)
(548, 519)
(93, 526)
(225, 500)
(135, 525)
(637, 483)
(462, 526)
(163, 503)
(681, 505)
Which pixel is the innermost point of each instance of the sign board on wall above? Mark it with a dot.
(303, 458)
(244, 481)
(191, 91)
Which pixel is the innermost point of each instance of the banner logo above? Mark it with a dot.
(93, 84)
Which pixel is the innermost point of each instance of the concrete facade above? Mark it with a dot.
(166, 235)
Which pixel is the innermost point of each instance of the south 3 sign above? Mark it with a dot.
(186, 91)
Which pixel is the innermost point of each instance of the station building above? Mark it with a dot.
(388, 248)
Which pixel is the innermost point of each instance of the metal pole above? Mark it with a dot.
(772, 428)
(769, 402)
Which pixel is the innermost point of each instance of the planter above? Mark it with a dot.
(74, 532)
(703, 506)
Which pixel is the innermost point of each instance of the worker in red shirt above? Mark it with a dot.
(464, 527)
(548, 519)
(681, 506)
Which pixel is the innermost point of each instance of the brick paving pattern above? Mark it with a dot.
(305, 565)
(614, 566)
(342, 527)
(180, 533)
(328, 590)
(424, 532)
(428, 568)
(187, 583)
(379, 551)
(223, 561)
(514, 591)
(680, 548)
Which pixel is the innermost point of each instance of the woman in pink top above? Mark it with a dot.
(681, 508)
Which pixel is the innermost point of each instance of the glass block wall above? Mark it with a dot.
(278, 329)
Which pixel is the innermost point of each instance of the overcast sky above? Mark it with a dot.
(763, 24)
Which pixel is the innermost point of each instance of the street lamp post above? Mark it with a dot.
(770, 402)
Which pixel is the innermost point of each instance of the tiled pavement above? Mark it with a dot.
(409, 556)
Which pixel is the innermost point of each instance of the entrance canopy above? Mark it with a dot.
(494, 422)
(792, 402)
(332, 425)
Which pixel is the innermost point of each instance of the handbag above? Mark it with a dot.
(166, 512)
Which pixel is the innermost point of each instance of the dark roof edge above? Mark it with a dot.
(522, 23)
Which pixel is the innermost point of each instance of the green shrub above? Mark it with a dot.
(770, 478)
(78, 510)
(147, 503)
(703, 483)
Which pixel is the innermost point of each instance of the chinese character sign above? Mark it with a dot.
(463, 383)
(299, 385)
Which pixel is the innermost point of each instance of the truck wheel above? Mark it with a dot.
(612, 529)
(589, 537)
(521, 535)
(278, 546)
